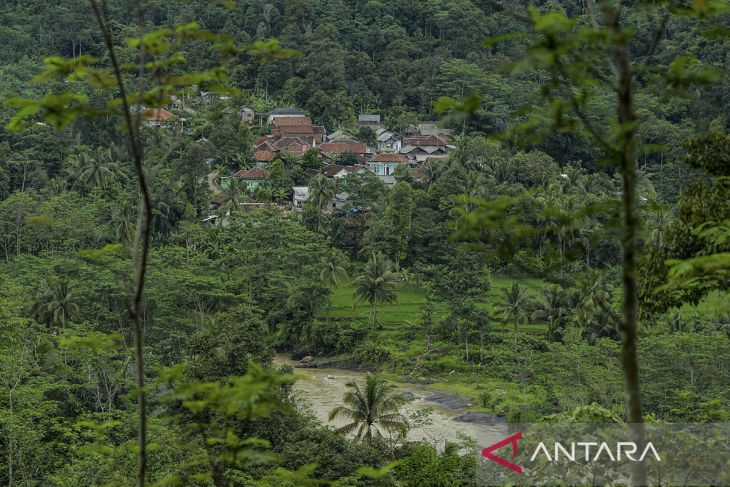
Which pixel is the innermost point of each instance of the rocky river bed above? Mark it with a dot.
(323, 388)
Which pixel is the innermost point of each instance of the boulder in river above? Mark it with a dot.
(408, 396)
(306, 360)
(449, 401)
(480, 418)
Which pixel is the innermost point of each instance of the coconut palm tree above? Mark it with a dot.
(432, 172)
(516, 302)
(595, 315)
(57, 305)
(333, 272)
(552, 309)
(95, 168)
(371, 411)
(123, 221)
(501, 171)
(321, 192)
(376, 284)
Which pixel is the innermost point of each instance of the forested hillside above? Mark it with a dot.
(394, 57)
(367, 185)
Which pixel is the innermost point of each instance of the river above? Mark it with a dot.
(323, 389)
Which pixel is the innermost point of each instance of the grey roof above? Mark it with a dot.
(368, 118)
(340, 136)
(386, 135)
(388, 180)
(428, 149)
(286, 111)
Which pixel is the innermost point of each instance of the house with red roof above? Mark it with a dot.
(299, 127)
(292, 132)
(159, 117)
(384, 164)
(264, 157)
(333, 150)
(421, 148)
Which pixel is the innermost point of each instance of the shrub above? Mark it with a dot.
(370, 353)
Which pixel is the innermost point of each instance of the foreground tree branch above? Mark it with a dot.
(627, 164)
(140, 252)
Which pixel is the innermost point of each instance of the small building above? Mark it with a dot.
(340, 136)
(369, 120)
(247, 115)
(280, 121)
(388, 141)
(264, 157)
(421, 148)
(159, 117)
(283, 113)
(298, 126)
(335, 171)
(338, 172)
(330, 150)
(340, 200)
(384, 164)
(389, 181)
(301, 196)
(252, 178)
(306, 133)
(293, 145)
(424, 154)
(428, 140)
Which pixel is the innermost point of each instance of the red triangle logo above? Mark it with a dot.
(487, 452)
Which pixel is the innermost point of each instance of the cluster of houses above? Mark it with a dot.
(294, 133)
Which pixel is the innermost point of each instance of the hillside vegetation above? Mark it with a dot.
(548, 236)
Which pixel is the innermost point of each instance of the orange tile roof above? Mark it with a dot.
(294, 129)
(264, 155)
(387, 157)
(158, 114)
(426, 140)
(280, 121)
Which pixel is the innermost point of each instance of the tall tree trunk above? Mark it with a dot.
(627, 163)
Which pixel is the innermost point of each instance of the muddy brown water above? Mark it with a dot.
(322, 389)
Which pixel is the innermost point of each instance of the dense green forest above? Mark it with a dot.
(497, 273)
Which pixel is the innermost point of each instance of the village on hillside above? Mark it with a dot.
(369, 148)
